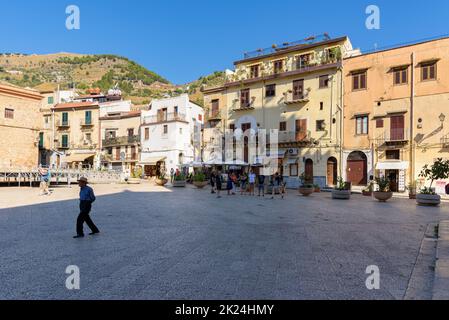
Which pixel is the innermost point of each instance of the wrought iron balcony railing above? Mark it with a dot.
(121, 141)
(165, 117)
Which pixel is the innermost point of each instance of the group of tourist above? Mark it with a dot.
(246, 183)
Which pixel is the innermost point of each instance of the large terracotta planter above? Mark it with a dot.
(341, 194)
(431, 200)
(161, 182)
(179, 184)
(383, 196)
(200, 184)
(306, 191)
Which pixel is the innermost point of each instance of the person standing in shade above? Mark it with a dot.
(87, 197)
(261, 184)
(212, 182)
(172, 175)
(276, 182)
(218, 182)
(252, 183)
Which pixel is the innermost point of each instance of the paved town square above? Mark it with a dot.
(164, 243)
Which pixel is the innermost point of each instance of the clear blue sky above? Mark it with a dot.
(183, 40)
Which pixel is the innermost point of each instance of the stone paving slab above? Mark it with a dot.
(441, 281)
(162, 243)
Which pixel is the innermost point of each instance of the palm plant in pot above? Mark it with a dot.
(199, 180)
(306, 188)
(161, 180)
(342, 191)
(439, 170)
(136, 176)
(383, 194)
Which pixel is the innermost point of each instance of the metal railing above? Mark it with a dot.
(86, 122)
(164, 117)
(445, 141)
(213, 115)
(121, 141)
(293, 136)
(63, 124)
(286, 45)
(290, 97)
(394, 135)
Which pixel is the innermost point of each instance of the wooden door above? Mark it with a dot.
(356, 172)
(332, 172)
(298, 89)
(397, 125)
(309, 170)
(301, 129)
(245, 127)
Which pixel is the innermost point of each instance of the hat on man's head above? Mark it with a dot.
(83, 179)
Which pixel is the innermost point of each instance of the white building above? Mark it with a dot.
(171, 135)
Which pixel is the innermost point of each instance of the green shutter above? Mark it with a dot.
(41, 140)
(65, 141)
(88, 117)
(65, 118)
(51, 100)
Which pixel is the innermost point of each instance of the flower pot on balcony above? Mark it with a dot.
(306, 191)
(383, 196)
(431, 200)
(341, 194)
(161, 182)
(200, 184)
(179, 183)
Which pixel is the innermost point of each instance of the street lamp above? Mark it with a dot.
(442, 117)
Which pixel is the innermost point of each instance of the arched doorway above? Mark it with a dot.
(309, 170)
(357, 168)
(332, 171)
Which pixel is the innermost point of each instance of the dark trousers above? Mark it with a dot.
(84, 217)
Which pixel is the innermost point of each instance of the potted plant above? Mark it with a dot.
(342, 191)
(368, 191)
(136, 176)
(317, 188)
(306, 188)
(179, 181)
(383, 194)
(199, 180)
(438, 171)
(161, 180)
(412, 188)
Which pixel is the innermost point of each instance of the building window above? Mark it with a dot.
(270, 90)
(320, 125)
(278, 66)
(50, 100)
(294, 170)
(65, 141)
(429, 71)
(362, 125)
(254, 71)
(9, 113)
(165, 129)
(304, 61)
(324, 81)
(41, 140)
(283, 126)
(88, 117)
(359, 81)
(393, 155)
(180, 131)
(400, 76)
(321, 106)
(147, 133)
(379, 123)
(200, 117)
(244, 98)
(130, 132)
(88, 137)
(65, 118)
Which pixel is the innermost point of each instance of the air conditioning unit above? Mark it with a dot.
(292, 152)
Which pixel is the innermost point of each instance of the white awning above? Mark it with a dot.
(79, 157)
(392, 165)
(152, 161)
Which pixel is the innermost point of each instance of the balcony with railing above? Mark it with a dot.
(121, 141)
(292, 137)
(61, 145)
(394, 137)
(63, 124)
(445, 141)
(118, 158)
(86, 123)
(213, 115)
(165, 117)
(294, 98)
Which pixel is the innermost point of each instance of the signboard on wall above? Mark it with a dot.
(401, 185)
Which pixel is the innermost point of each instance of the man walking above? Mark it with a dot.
(87, 197)
(45, 177)
(261, 184)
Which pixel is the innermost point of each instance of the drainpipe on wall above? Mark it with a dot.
(341, 120)
(412, 102)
